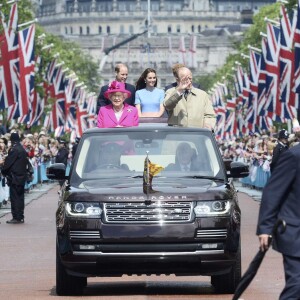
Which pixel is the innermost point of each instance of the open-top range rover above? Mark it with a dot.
(152, 199)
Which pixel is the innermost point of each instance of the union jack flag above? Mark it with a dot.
(230, 125)
(57, 116)
(239, 84)
(297, 52)
(9, 60)
(27, 63)
(272, 104)
(254, 67)
(91, 108)
(287, 66)
(261, 92)
(70, 109)
(81, 113)
(37, 110)
(220, 109)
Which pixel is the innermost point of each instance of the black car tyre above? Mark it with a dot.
(67, 285)
(227, 283)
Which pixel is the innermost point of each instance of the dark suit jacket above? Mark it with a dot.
(174, 84)
(102, 101)
(62, 156)
(278, 150)
(15, 165)
(281, 200)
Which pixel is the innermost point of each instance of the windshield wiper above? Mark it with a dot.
(204, 177)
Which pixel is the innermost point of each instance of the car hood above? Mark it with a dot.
(131, 189)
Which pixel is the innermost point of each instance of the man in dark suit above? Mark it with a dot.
(281, 200)
(121, 71)
(14, 168)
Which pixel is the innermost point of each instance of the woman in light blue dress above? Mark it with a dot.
(148, 98)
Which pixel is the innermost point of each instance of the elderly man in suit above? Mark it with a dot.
(281, 200)
(188, 106)
(121, 72)
(118, 113)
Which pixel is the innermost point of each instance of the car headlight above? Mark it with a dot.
(83, 209)
(212, 208)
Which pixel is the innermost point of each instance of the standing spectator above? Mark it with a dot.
(175, 69)
(121, 72)
(27, 129)
(282, 145)
(62, 155)
(4, 189)
(118, 113)
(14, 168)
(281, 200)
(188, 106)
(3, 130)
(53, 147)
(148, 98)
(74, 148)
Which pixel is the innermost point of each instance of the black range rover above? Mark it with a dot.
(112, 219)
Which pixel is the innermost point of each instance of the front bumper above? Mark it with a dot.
(203, 247)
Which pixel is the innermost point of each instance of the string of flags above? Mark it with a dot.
(63, 106)
(269, 91)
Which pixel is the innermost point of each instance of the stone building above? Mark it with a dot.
(195, 32)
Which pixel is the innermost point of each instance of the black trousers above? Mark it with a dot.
(17, 200)
(291, 290)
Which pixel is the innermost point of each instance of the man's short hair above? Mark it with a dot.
(119, 66)
(175, 69)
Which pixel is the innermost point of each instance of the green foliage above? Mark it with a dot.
(205, 81)
(75, 59)
(251, 37)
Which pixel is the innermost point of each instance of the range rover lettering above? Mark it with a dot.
(152, 200)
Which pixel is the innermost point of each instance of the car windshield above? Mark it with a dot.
(180, 154)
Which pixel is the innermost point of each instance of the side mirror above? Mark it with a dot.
(56, 171)
(238, 170)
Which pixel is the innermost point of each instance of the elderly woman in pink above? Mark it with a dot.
(118, 113)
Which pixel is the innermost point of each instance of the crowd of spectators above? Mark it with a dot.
(41, 148)
(256, 150)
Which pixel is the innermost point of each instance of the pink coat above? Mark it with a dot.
(107, 118)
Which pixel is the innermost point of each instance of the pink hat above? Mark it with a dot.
(116, 86)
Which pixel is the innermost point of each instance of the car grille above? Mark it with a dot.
(156, 212)
(211, 233)
(84, 234)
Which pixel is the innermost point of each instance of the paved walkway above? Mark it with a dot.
(254, 193)
(32, 194)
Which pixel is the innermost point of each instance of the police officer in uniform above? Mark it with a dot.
(281, 201)
(14, 168)
(281, 146)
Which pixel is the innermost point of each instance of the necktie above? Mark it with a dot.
(185, 94)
